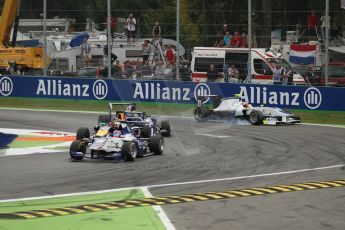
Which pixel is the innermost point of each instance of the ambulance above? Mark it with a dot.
(262, 64)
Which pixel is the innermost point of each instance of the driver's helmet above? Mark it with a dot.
(121, 116)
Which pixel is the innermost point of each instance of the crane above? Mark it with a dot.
(28, 58)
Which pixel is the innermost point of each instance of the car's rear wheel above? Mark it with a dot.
(157, 144)
(146, 132)
(165, 125)
(83, 133)
(129, 151)
(200, 114)
(255, 117)
(78, 146)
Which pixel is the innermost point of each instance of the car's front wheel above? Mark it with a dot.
(255, 117)
(77, 150)
(157, 144)
(200, 114)
(129, 151)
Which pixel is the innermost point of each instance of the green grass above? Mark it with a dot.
(307, 116)
(130, 218)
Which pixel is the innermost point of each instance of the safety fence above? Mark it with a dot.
(294, 97)
(274, 24)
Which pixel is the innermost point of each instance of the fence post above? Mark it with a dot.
(178, 39)
(249, 63)
(326, 42)
(109, 40)
(45, 38)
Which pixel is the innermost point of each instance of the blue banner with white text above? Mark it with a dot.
(293, 97)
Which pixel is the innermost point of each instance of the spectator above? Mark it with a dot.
(170, 55)
(309, 74)
(112, 56)
(129, 69)
(219, 40)
(278, 74)
(112, 27)
(313, 21)
(234, 74)
(212, 74)
(86, 52)
(225, 29)
(146, 51)
(157, 33)
(244, 41)
(131, 23)
(235, 40)
(324, 25)
(227, 39)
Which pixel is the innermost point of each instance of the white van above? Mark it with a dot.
(261, 63)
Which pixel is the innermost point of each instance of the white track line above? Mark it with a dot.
(211, 135)
(179, 183)
(166, 116)
(159, 211)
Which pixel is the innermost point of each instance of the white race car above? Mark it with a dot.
(234, 107)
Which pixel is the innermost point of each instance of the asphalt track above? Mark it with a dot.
(198, 151)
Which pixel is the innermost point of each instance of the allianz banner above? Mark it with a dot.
(321, 98)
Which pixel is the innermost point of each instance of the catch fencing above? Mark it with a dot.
(274, 24)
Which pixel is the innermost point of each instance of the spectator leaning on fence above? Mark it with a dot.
(236, 40)
(278, 73)
(227, 39)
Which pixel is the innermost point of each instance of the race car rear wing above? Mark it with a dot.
(133, 106)
(111, 104)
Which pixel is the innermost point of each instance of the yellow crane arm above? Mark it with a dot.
(8, 15)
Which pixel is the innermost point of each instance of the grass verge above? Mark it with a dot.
(130, 218)
(307, 116)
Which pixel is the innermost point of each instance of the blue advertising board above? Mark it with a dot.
(294, 97)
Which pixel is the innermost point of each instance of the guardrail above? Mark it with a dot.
(293, 97)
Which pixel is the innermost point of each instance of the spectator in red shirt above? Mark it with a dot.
(313, 21)
(235, 40)
(170, 55)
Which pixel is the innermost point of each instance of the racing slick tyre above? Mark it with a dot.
(83, 133)
(104, 119)
(165, 126)
(157, 144)
(255, 117)
(200, 114)
(129, 151)
(146, 132)
(77, 146)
